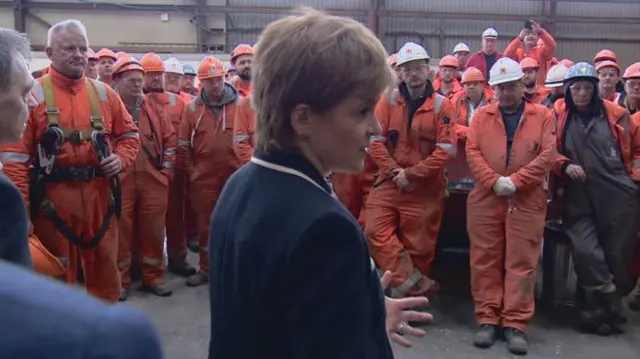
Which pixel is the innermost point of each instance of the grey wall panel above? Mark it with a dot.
(599, 31)
(518, 7)
(6, 17)
(598, 9)
(318, 4)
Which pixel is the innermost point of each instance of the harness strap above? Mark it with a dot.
(49, 211)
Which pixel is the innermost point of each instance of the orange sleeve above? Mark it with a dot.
(378, 149)
(514, 50)
(169, 148)
(123, 128)
(535, 172)
(184, 139)
(478, 165)
(15, 164)
(446, 146)
(547, 48)
(241, 134)
(461, 127)
(634, 130)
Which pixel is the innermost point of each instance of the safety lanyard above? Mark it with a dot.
(288, 170)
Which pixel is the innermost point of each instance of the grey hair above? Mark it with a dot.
(66, 24)
(12, 43)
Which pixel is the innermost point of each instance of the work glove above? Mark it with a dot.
(504, 187)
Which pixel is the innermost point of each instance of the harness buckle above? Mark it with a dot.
(97, 122)
(77, 137)
(47, 208)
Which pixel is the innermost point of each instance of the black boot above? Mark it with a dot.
(612, 304)
(192, 244)
(593, 318)
(486, 336)
(516, 341)
(183, 270)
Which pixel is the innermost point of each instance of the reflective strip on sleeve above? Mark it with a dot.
(439, 101)
(635, 164)
(151, 261)
(378, 138)
(14, 157)
(170, 151)
(125, 263)
(410, 282)
(167, 165)
(184, 143)
(172, 99)
(134, 135)
(240, 138)
(451, 149)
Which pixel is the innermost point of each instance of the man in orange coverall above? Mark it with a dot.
(534, 42)
(534, 91)
(406, 204)
(447, 83)
(145, 185)
(81, 137)
(510, 151)
(106, 59)
(92, 65)
(172, 107)
(205, 148)
(241, 59)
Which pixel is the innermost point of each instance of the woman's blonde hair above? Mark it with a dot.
(315, 59)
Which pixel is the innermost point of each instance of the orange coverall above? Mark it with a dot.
(402, 225)
(635, 262)
(456, 87)
(205, 147)
(543, 52)
(506, 232)
(243, 90)
(13, 159)
(244, 129)
(353, 189)
(540, 95)
(81, 205)
(173, 107)
(145, 193)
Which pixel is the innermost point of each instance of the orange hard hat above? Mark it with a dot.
(529, 63)
(607, 63)
(392, 60)
(92, 55)
(605, 55)
(106, 53)
(242, 49)
(126, 63)
(472, 74)
(632, 72)
(448, 61)
(567, 63)
(152, 62)
(210, 68)
(121, 54)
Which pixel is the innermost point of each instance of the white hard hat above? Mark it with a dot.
(174, 66)
(490, 33)
(505, 70)
(461, 47)
(411, 52)
(555, 76)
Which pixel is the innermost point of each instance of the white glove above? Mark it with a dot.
(504, 187)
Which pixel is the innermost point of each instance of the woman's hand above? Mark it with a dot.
(399, 314)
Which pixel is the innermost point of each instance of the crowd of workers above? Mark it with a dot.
(140, 150)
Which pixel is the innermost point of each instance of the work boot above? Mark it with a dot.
(124, 294)
(612, 304)
(197, 280)
(183, 269)
(192, 244)
(634, 298)
(159, 290)
(516, 341)
(486, 336)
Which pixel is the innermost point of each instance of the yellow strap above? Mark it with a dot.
(50, 101)
(97, 121)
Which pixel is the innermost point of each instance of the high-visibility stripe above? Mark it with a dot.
(184, 143)
(38, 92)
(410, 282)
(172, 99)
(127, 135)
(240, 138)
(169, 151)
(14, 157)
(450, 148)
(635, 164)
(439, 101)
(378, 138)
(151, 261)
(167, 165)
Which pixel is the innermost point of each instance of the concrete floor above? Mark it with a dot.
(183, 323)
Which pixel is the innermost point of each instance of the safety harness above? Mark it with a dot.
(44, 170)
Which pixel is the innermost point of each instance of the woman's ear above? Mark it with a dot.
(301, 120)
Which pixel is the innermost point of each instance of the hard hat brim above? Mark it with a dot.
(553, 84)
(506, 79)
(417, 58)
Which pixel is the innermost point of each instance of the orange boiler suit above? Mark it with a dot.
(353, 189)
(243, 89)
(457, 87)
(402, 225)
(540, 95)
(506, 232)
(78, 191)
(463, 110)
(145, 193)
(13, 159)
(205, 148)
(173, 108)
(244, 130)
(542, 52)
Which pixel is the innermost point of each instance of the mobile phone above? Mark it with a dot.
(528, 25)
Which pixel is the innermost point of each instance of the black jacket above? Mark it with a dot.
(14, 225)
(290, 271)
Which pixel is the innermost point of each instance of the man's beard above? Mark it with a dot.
(245, 76)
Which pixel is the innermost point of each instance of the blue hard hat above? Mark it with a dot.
(581, 70)
(188, 70)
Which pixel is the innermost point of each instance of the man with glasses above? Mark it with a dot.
(599, 160)
(510, 151)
